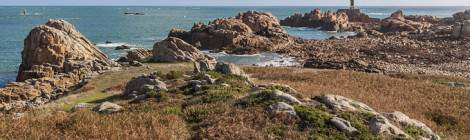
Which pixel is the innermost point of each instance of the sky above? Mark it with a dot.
(233, 2)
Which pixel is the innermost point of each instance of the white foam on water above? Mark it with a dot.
(261, 59)
(111, 45)
(377, 14)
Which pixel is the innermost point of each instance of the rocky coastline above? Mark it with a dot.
(57, 59)
(399, 44)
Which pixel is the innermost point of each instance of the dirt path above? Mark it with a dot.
(104, 87)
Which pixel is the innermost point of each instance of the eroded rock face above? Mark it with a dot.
(397, 23)
(229, 68)
(57, 47)
(175, 50)
(140, 55)
(246, 32)
(204, 65)
(56, 58)
(327, 21)
(355, 15)
(261, 23)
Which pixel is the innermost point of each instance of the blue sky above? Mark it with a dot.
(240, 2)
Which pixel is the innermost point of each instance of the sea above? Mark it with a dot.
(107, 23)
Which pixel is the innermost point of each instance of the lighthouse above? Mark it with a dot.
(351, 4)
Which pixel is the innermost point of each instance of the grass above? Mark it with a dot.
(446, 110)
(111, 83)
(91, 125)
(219, 111)
(312, 117)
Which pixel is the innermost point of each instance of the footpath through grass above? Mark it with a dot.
(109, 84)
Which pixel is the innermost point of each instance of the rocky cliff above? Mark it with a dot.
(328, 21)
(56, 57)
(245, 33)
(57, 47)
(398, 23)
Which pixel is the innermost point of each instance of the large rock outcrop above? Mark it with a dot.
(461, 29)
(461, 16)
(57, 47)
(174, 49)
(139, 55)
(398, 23)
(56, 58)
(261, 23)
(355, 15)
(244, 33)
(328, 21)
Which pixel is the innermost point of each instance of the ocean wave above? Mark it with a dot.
(111, 45)
(377, 14)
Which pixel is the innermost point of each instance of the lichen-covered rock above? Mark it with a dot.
(282, 107)
(340, 103)
(379, 125)
(343, 125)
(108, 108)
(229, 68)
(204, 65)
(175, 50)
(143, 84)
(327, 21)
(286, 97)
(405, 122)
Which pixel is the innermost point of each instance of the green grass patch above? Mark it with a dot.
(175, 110)
(312, 117)
(359, 120)
(279, 130)
(414, 131)
(263, 98)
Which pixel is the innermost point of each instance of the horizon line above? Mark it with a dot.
(250, 5)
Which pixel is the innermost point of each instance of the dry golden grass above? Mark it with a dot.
(446, 110)
(91, 125)
(216, 116)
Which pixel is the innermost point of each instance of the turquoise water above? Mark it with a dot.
(101, 24)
